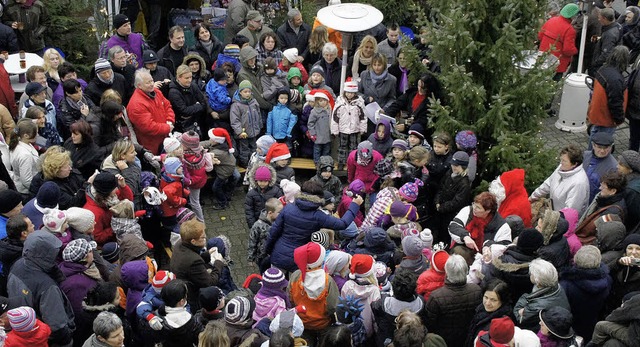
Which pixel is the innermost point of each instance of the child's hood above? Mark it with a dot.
(238, 98)
(387, 130)
(252, 176)
(294, 72)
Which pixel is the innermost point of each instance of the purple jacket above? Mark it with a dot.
(76, 285)
(133, 44)
(135, 276)
(58, 94)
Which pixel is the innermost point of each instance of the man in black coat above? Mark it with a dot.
(294, 33)
(105, 79)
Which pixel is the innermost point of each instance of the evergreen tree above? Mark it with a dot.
(477, 43)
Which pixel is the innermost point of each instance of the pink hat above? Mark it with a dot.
(263, 174)
(22, 319)
(409, 191)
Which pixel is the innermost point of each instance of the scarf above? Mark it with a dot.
(111, 201)
(207, 45)
(417, 100)
(176, 316)
(76, 105)
(194, 160)
(378, 79)
(152, 95)
(404, 79)
(363, 161)
(476, 227)
(109, 81)
(92, 272)
(314, 283)
(357, 60)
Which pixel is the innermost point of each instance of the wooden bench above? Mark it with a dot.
(296, 163)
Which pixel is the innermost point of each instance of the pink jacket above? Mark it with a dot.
(571, 215)
(364, 173)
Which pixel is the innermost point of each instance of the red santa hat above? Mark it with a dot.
(438, 259)
(308, 256)
(361, 266)
(219, 135)
(277, 151)
(324, 94)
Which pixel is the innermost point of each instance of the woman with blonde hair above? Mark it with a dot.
(376, 83)
(319, 36)
(57, 167)
(363, 56)
(52, 59)
(214, 335)
(122, 161)
(24, 157)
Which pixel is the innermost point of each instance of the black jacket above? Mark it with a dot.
(454, 194)
(420, 114)
(209, 59)
(511, 267)
(450, 310)
(610, 37)
(72, 189)
(188, 104)
(95, 88)
(161, 73)
(8, 39)
(85, 157)
(164, 54)
(289, 39)
(129, 73)
(332, 73)
(68, 115)
(10, 251)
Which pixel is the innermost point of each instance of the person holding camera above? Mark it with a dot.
(626, 271)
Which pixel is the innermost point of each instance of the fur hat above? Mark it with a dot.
(277, 151)
(170, 144)
(630, 159)
(291, 55)
(100, 65)
(401, 144)
(111, 252)
(104, 183)
(409, 191)
(120, 20)
(317, 69)
(361, 266)
(161, 278)
(9, 199)
(263, 174)
(321, 237)
(412, 246)
(22, 319)
(501, 331)
(80, 219)
(76, 250)
(210, 298)
(308, 256)
(220, 135)
(466, 139)
(274, 278)
(239, 310)
(290, 189)
(438, 260)
(558, 320)
(54, 219)
(246, 84)
(190, 139)
(350, 86)
(383, 167)
(48, 195)
(184, 214)
(588, 257)
(460, 158)
(288, 320)
(529, 241)
(171, 165)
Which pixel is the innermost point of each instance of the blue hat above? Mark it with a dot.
(171, 165)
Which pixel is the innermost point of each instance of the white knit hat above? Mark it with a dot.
(80, 219)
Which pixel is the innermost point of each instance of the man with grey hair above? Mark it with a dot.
(610, 37)
(451, 307)
(107, 331)
(118, 60)
(294, 33)
(150, 113)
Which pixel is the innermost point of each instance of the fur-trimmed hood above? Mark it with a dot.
(307, 202)
(108, 307)
(192, 56)
(509, 267)
(252, 175)
(553, 226)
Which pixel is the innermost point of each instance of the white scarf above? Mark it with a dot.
(357, 59)
(177, 316)
(314, 283)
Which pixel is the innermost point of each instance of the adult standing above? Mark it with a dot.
(598, 161)
(236, 16)
(105, 79)
(207, 45)
(255, 27)
(173, 53)
(558, 36)
(33, 281)
(331, 65)
(606, 110)
(161, 75)
(75, 106)
(18, 228)
(415, 101)
(187, 100)
(297, 221)
(319, 37)
(294, 33)
(30, 19)
(150, 113)
(377, 84)
(363, 56)
(252, 72)
(38, 97)
(609, 38)
(120, 65)
(267, 47)
(629, 166)
(132, 43)
(390, 47)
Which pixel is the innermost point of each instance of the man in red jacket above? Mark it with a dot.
(150, 113)
(558, 36)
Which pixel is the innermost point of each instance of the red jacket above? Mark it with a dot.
(7, 95)
(303, 71)
(102, 233)
(149, 118)
(429, 281)
(36, 337)
(608, 104)
(176, 196)
(559, 32)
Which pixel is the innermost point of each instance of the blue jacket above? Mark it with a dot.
(280, 122)
(595, 168)
(3, 231)
(296, 223)
(151, 301)
(219, 99)
(222, 58)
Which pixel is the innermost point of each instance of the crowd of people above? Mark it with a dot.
(102, 232)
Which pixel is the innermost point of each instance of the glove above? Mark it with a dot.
(155, 322)
(148, 156)
(215, 255)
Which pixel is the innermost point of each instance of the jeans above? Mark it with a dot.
(194, 201)
(599, 129)
(245, 148)
(634, 134)
(321, 149)
(223, 187)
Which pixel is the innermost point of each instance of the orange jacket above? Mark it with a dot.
(334, 36)
(609, 98)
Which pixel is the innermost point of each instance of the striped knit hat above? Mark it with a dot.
(161, 278)
(239, 310)
(22, 319)
(274, 278)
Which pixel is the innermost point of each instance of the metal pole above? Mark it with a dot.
(347, 41)
(586, 9)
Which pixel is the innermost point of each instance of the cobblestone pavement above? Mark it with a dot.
(231, 222)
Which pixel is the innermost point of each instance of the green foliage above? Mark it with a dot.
(477, 43)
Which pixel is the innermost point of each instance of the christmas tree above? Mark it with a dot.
(478, 44)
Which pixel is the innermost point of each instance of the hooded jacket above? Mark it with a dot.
(512, 267)
(103, 232)
(333, 184)
(203, 75)
(364, 173)
(38, 336)
(271, 84)
(382, 145)
(348, 116)
(218, 97)
(296, 223)
(555, 248)
(517, 199)
(245, 115)
(76, 285)
(135, 276)
(609, 98)
(535, 301)
(33, 281)
(280, 122)
(388, 308)
(149, 117)
(566, 189)
(253, 76)
(256, 198)
(10, 252)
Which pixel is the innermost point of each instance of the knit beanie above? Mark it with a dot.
(501, 330)
(401, 144)
(383, 168)
(288, 320)
(161, 278)
(308, 256)
(412, 246)
(120, 20)
(290, 189)
(76, 250)
(631, 239)
(351, 86)
(398, 209)
(263, 174)
(365, 150)
(170, 144)
(274, 278)
(588, 257)
(190, 139)
(246, 84)
(111, 252)
(22, 319)
(438, 260)
(317, 69)
(104, 183)
(529, 241)
(416, 129)
(409, 232)
(171, 165)
(80, 219)
(184, 214)
(54, 219)
(264, 142)
(466, 139)
(231, 50)
(361, 266)
(409, 191)
(220, 135)
(321, 237)
(239, 310)
(460, 158)
(291, 55)
(356, 187)
(101, 64)
(630, 159)
(427, 237)
(277, 151)
(48, 195)
(9, 199)
(210, 298)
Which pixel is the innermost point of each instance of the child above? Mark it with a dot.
(319, 125)
(26, 329)
(438, 166)
(238, 316)
(306, 145)
(349, 313)
(453, 195)
(212, 303)
(280, 121)
(263, 143)
(263, 187)
(355, 188)
(381, 139)
(413, 260)
(361, 164)
(197, 163)
(289, 191)
(466, 141)
(222, 246)
(124, 220)
(172, 186)
(278, 157)
(260, 231)
(329, 203)
(172, 148)
(416, 137)
(313, 288)
(337, 266)
(297, 92)
(219, 99)
(290, 60)
(246, 121)
(325, 176)
(151, 299)
(316, 81)
(230, 53)
(399, 212)
(227, 174)
(179, 326)
(273, 80)
(348, 121)
(55, 222)
(434, 277)
(363, 284)
(375, 242)
(399, 151)
(418, 159)
(272, 297)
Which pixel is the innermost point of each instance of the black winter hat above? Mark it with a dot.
(629, 240)
(48, 195)
(219, 74)
(149, 56)
(530, 240)
(210, 297)
(120, 20)
(104, 183)
(9, 199)
(558, 320)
